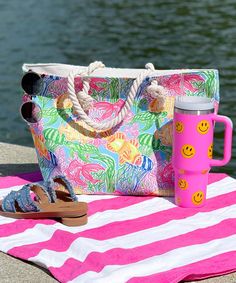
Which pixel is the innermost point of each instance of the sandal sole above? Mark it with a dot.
(75, 221)
(68, 213)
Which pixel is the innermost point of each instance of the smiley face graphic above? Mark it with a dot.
(183, 184)
(203, 127)
(188, 151)
(179, 127)
(205, 171)
(210, 151)
(198, 197)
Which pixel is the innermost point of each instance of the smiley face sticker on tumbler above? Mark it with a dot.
(188, 151)
(179, 127)
(197, 198)
(203, 127)
(210, 151)
(183, 184)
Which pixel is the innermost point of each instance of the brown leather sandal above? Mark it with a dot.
(36, 201)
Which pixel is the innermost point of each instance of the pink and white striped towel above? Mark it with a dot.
(131, 239)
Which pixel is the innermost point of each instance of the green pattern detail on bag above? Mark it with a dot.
(110, 171)
(148, 119)
(133, 157)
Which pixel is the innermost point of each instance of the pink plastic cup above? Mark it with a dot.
(193, 124)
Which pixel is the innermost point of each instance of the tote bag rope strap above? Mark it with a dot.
(83, 100)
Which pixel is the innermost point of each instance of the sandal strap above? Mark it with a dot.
(8, 203)
(24, 200)
(67, 186)
(51, 192)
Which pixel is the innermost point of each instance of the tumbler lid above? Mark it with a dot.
(194, 103)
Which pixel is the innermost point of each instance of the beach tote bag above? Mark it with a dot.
(108, 130)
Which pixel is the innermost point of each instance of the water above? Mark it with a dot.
(121, 33)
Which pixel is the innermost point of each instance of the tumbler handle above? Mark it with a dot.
(227, 140)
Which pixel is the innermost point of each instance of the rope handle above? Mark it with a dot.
(82, 101)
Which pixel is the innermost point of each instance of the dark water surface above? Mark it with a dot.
(170, 34)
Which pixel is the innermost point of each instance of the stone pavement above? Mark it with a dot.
(16, 159)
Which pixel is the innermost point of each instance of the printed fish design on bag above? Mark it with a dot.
(165, 175)
(103, 110)
(53, 158)
(164, 134)
(70, 133)
(130, 176)
(146, 164)
(58, 87)
(47, 81)
(97, 85)
(149, 141)
(181, 82)
(127, 149)
(54, 136)
(49, 168)
(39, 143)
(77, 131)
(146, 118)
(149, 144)
(53, 139)
(81, 173)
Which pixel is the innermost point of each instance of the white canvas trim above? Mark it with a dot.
(63, 70)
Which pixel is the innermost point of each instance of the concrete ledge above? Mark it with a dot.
(15, 159)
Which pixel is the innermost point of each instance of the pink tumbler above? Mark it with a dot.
(193, 124)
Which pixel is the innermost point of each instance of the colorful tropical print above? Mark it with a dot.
(134, 157)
